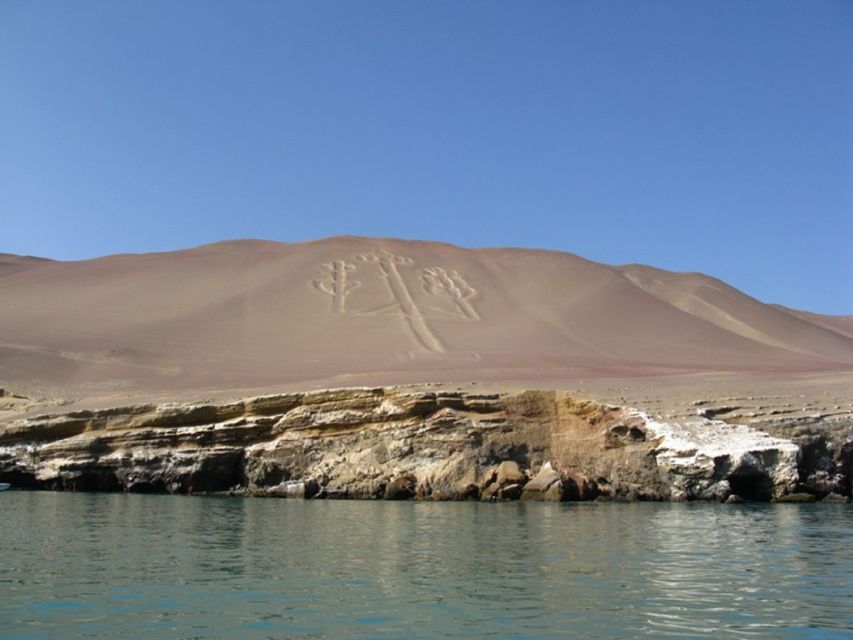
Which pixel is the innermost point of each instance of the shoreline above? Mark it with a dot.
(426, 443)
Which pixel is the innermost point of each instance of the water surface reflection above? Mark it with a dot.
(110, 565)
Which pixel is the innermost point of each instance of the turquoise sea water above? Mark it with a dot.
(145, 566)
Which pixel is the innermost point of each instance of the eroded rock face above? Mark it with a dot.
(710, 460)
(396, 443)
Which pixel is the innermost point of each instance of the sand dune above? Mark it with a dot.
(348, 310)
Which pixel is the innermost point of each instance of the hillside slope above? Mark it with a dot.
(350, 310)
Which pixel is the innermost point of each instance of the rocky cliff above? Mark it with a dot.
(421, 443)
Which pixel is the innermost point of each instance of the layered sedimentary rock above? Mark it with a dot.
(413, 443)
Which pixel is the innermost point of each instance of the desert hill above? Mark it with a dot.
(351, 310)
(838, 324)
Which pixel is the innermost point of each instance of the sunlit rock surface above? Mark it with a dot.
(415, 443)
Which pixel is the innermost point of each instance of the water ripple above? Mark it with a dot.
(105, 566)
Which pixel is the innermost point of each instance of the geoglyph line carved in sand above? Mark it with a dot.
(337, 284)
(435, 281)
(388, 263)
(439, 282)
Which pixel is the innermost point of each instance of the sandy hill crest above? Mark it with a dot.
(346, 310)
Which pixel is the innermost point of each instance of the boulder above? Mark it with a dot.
(468, 492)
(835, 498)
(547, 485)
(509, 492)
(401, 488)
(508, 472)
(717, 492)
(497, 482)
(555, 493)
(489, 492)
(300, 489)
(796, 497)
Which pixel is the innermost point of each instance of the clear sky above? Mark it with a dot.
(712, 136)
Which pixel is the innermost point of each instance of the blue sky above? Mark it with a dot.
(711, 136)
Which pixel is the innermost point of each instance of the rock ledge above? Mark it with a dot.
(403, 443)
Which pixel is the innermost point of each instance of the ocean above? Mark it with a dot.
(158, 566)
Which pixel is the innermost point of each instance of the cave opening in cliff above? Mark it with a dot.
(751, 484)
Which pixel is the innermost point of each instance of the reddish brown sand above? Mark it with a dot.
(241, 317)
